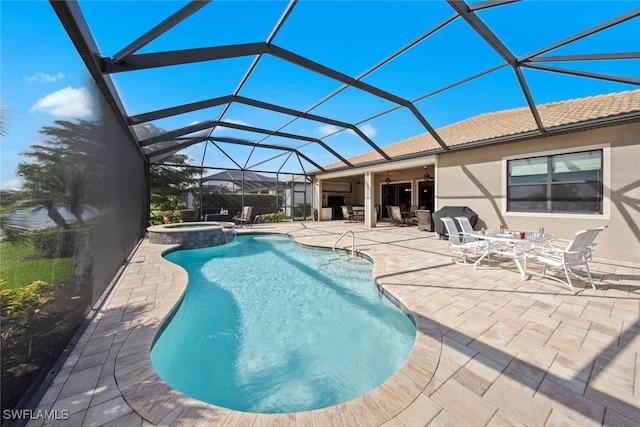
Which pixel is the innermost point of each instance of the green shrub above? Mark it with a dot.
(188, 215)
(165, 217)
(54, 243)
(262, 203)
(171, 217)
(155, 218)
(21, 303)
(274, 217)
(302, 210)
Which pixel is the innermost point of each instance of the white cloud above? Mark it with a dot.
(369, 130)
(44, 77)
(67, 102)
(14, 184)
(325, 130)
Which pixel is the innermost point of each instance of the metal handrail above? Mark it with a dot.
(353, 242)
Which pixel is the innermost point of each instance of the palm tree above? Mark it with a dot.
(62, 168)
(11, 223)
(45, 186)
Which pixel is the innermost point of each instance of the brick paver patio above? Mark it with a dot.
(491, 350)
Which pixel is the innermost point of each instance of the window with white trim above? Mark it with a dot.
(562, 183)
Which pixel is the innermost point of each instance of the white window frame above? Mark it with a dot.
(606, 182)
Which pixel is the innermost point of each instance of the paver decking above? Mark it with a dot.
(491, 350)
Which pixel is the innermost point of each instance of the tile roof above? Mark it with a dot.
(514, 122)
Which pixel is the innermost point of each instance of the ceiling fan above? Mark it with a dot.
(387, 179)
(426, 176)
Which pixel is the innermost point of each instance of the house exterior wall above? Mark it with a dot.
(477, 178)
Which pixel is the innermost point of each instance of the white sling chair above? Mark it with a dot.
(461, 244)
(465, 224)
(575, 253)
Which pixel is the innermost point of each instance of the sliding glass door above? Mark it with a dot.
(426, 194)
(396, 194)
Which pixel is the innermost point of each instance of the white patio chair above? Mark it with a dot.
(465, 224)
(576, 253)
(592, 245)
(467, 229)
(461, 244)
(562, 243)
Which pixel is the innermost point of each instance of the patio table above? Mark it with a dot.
(510, 244)
(358, 211)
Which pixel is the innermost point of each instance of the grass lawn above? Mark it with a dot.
(18, 269)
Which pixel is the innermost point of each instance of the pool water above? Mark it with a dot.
(268, 326)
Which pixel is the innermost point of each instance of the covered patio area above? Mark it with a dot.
(490, 349)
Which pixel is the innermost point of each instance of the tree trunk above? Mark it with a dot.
(79, 220)
(56, 217)
(77, 211)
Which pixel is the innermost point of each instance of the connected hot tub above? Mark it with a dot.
(192, 235)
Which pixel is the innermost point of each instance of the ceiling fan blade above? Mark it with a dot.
(387, 179)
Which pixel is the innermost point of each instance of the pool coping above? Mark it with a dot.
(158, 403)
(190, 226)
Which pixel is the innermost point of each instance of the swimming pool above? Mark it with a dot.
(268, 326)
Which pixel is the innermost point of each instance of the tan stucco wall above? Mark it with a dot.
(475, 178)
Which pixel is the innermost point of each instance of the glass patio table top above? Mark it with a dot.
(511, 244)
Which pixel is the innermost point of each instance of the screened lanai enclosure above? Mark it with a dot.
(290, 194)
(261, 98)
(275, 88)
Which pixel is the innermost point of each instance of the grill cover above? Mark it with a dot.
(452, 211)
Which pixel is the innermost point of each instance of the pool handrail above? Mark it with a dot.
(353, 242)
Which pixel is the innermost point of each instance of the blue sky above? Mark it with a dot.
(43, 78)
